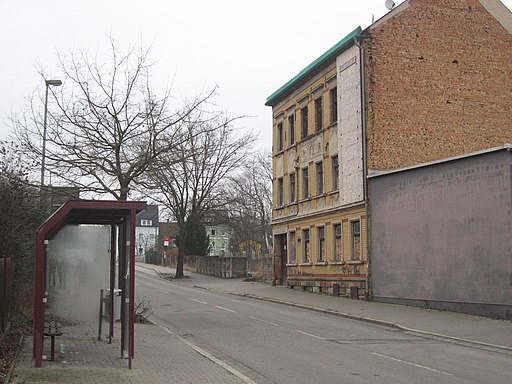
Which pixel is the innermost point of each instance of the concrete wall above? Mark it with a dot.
(225, 267)
(438, 82)
(261, 268)
(441, 235)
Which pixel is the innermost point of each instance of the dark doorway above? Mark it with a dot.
(281, 257)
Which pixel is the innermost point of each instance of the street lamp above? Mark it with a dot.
(54, 83)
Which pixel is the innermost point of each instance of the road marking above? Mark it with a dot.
(413, 364)
(198, 301)
(159, 290)
(310, 334)
(225, 309)
(265, 321)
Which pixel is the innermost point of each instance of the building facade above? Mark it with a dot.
(146, 234)
(319, 220)
(429, 80)
(167, 249)
(219, 235)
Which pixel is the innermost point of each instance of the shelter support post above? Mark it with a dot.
(113, 247)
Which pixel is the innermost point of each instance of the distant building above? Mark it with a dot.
(220, 235)
(146, 234)
(59, 195)
(167, 249)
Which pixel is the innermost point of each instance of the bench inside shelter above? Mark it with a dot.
(52, 329)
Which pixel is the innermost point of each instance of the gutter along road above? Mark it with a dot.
(264, 342)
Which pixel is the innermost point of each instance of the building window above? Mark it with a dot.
(292, 187)
(319, 178)
(321, 244)
(333, 105)
(213, 232)
(280, 192)
(355, 235)
(319, 111)
(304, 122)
(280, 137)
(305, 249)
(291, 248)
(337, 246)
(291, 129)
(335, 170)
(146, 223)
(305, 183)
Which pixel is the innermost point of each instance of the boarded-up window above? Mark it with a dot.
(306, 249)
(321, 244)
(291, 248)
(355, 233)
(338, 245)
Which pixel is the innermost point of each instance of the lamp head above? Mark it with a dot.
(55, 83)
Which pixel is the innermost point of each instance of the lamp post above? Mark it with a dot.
(55, 83)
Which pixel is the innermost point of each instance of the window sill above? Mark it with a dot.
(321, 263)
(337, 262)
(354, 262)
(305, 264)
(291, 264)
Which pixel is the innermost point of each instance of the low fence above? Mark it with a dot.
(261, 268)
(225, 267)
(6, 278)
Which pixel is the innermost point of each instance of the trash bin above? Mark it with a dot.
(117, 303)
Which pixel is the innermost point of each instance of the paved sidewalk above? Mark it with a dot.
(448, 325)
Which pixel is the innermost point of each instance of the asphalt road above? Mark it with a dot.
(273, 343)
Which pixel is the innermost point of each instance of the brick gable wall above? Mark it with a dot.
(438, 83)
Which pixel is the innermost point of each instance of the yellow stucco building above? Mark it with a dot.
(319, 193)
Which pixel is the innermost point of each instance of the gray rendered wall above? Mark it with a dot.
(441, 235)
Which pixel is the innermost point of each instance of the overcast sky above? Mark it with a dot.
(248, 48)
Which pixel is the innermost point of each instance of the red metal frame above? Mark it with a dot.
(83, 212)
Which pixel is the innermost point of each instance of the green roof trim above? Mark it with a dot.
(335, 50)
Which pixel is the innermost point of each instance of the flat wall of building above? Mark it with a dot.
(441, 235)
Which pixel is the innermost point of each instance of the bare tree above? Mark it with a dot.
(105, 125)
(189, 182)
(251, 201)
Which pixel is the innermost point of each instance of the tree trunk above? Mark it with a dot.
(181, 253)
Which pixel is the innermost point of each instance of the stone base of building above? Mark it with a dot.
(354, 289)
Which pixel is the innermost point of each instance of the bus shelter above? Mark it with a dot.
(120, 217)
